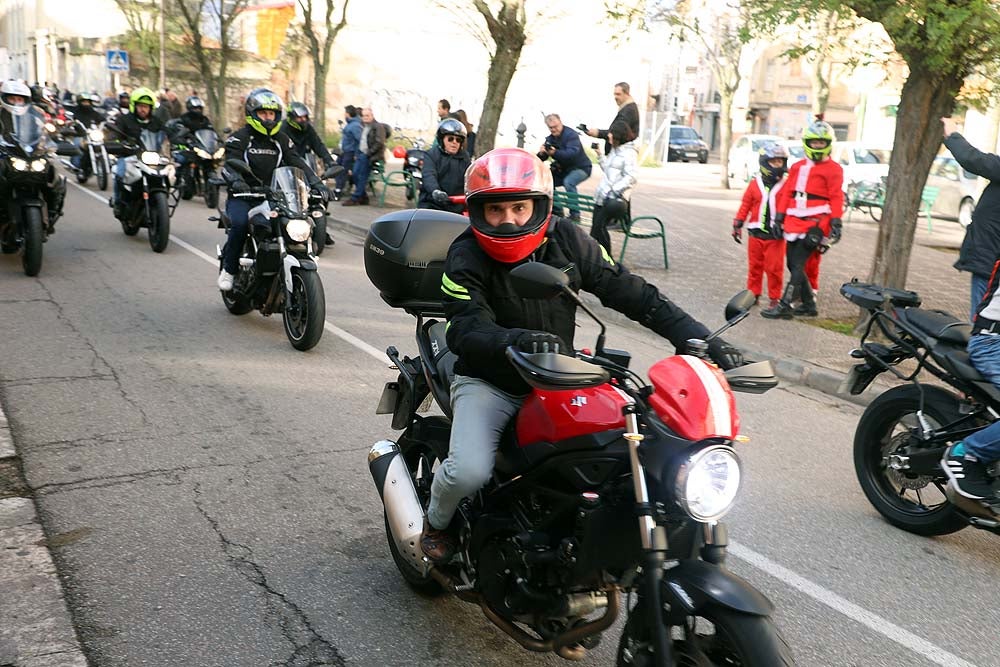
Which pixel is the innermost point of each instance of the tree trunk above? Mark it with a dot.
(319, 96)
(926, 97)
(725, 133)
(502, 68)
(820, 84)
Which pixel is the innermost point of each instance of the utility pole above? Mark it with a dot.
(163, 45)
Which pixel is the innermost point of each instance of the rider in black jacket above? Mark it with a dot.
(181, 128)
(264, 147)
(87, 115)
(129, 126)
(304, 135)
(509, 197)
(444, 168)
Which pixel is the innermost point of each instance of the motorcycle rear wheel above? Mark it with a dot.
(305, 315)
(31, 251)
(420, 461)
(319, 236)
(187, 185)
(736, 639)
(880, 432)
(102, 175)
(159, 224)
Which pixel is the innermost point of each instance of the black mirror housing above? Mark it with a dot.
(241, 168)
(739, 304)
(535, 280)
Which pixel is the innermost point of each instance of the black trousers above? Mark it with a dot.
(797, 254)
(605, 215)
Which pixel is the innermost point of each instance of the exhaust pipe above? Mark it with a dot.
(403, 511)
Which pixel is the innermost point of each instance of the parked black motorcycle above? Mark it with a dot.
(145, 190)
(593, 455)
(277, 270)
(201, 156)
(903, 434)
(30, 178)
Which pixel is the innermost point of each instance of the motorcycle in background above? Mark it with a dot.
(95, 158)
(413, 164)
(145, 190)
(902, 436)
(603, 485)
(201, 157)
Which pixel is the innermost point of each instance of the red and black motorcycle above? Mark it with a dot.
(604, 486)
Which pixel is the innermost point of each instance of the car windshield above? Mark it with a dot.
(289, 186)
(871, 156)
(685, 133)
(796, 150)
(756, 144)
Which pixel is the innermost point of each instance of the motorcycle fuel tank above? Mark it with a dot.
(551, 416)
(693, 398)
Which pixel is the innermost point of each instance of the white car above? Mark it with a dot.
(958, 189)
(861, 162)
(744, 160)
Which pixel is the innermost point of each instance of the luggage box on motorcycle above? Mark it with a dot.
(404, 257)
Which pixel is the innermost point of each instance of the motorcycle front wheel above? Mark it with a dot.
(305, 312)
(102, 175)
(159, 223)
(211, 195)
(31, 253)
(915, 503)
(716, 637)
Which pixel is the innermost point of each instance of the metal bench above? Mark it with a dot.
(585, 204)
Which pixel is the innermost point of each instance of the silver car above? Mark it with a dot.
(958, 190)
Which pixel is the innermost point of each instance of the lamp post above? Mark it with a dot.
(520, 130)
(163, 46)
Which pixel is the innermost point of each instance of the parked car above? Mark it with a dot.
(686, 145)
(744, 159)
(795, 149)
(861, 162)
(958, 189)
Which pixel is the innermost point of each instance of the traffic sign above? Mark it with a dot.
(117, 61)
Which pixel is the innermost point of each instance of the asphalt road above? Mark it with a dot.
(205, 487)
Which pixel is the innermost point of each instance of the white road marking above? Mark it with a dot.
(815, 591)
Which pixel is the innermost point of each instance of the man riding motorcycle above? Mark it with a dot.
(509, 198)
(87, 114)
(264, 147)
(15, 102)
(443, 173)
(130, 126)
(304, 136)
(189, 122)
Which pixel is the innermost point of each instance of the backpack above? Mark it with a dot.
(388, 130)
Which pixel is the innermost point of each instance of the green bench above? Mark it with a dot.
(390, 179)
(585, 204)
(870, 196)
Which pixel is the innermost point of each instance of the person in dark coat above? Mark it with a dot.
(444, 168)
(981, 246)
(628, 113)
(570, 165)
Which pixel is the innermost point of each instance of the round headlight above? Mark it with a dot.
(151, 158)
(19, 164)
(95, 136)
(50, 127)
(708, 482)
(298, 229)
(38, 165)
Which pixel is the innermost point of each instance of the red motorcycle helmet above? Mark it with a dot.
(399, 152)
(509, 174)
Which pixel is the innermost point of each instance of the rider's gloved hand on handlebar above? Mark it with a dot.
(239, 187)
(320, 189)
(724, 355)
(439, 197)
(531, 342)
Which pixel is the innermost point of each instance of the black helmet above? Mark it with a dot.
(261, 99)
(192, 103)
(298, 115)
(451, 127)
(772, 151)
(83, 97)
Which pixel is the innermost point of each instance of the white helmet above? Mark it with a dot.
(15, 87)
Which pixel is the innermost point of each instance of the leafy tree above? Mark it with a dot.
(320, 52)
(942, 43)
(143, 19)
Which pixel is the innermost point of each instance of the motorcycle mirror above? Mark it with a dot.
(241, 168)
(535, 280)
(739, 304)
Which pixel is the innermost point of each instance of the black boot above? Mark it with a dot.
(783, 309)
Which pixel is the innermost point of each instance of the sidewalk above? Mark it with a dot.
(707, 268)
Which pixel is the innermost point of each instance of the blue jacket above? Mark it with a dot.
(569, 153)
(351, 137)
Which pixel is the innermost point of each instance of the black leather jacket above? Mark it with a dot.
(443, 172)
(129, 125)
(307, 139)
(263, 154)
(491, 315)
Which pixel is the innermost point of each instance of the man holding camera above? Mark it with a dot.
(570, 165)
(628, 113)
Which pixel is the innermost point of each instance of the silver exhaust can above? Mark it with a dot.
(403, 511)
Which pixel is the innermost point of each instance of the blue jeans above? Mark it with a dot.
(237, 210)
(362, 169)
(569, 183)
(346, 160)
(984, 355)
(976, 293)
(480, 414)
(119, 177)
(77, 160)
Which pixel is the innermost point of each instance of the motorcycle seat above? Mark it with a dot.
(957, 361)
(938, 324)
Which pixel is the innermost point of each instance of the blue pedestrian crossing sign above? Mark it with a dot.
(117, 61)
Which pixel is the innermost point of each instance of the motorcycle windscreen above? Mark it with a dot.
(693, 398)
(289, 186)
(151, 141)
(208, 139)
(28, 132)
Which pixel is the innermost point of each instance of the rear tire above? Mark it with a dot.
(187, 187)
(31, 251)
(305, 315)
(211, 195)
(159, 224)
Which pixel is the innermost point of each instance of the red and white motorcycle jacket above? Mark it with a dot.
(813, 196)
(752, 211)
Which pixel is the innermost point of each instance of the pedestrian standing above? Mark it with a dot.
(611, 200)
(371, 149)
(628, 113)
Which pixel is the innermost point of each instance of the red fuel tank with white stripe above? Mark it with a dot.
(693, 398)
(551, 416)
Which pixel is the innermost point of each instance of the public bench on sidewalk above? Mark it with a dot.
(869, 196)
(628, 227)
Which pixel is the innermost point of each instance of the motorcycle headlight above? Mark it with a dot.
(708, 482)
(50, 127)
(219, 153)
(151, 158)
(19, 164)
(95, 136)
(298, 230)
(38, 165)
(203, 154)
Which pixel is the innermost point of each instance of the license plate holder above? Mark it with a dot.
(389, 399)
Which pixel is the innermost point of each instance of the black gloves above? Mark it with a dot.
(320, 188)
(238, 187)
(738, 231)
(583, 128)
(531, 342)
(836, 228)
(724, 354)
(439, 197)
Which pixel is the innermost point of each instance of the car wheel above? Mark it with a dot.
(965, 210)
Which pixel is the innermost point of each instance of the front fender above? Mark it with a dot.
(288, 263)
(695, 584)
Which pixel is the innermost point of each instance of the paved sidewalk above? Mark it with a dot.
(707, 267)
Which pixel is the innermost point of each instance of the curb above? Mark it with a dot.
(37, 630)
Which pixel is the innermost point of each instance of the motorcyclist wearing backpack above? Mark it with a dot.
(509, 197)
(444, 168)
(264, 147)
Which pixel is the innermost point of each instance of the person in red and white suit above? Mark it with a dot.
(766, 245)
(809, 209)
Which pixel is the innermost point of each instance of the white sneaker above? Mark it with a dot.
(225, 281)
